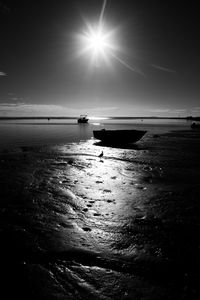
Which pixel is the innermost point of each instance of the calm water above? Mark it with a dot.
(16, 133)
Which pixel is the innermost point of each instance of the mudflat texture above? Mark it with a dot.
(124, 226)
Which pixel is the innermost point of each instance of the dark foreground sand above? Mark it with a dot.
(124, 227)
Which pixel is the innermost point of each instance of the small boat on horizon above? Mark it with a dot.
(83, 119)
(119, 136)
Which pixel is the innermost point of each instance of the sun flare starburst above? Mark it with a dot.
(98, 42)
(101, 44)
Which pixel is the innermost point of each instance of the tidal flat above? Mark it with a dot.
(124, 226)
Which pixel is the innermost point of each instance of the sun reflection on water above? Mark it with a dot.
(105, 192)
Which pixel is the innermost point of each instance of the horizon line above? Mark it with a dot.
(96, 118)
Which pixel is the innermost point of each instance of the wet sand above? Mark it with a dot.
(127, 226)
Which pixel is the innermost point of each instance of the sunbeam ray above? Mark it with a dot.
(133, 69)
(102, 12)
(163, 68)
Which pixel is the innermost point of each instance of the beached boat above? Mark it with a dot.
(83, 119)
(118, 136)
(195, 125)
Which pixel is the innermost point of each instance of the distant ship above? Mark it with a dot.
(118, 136)
(83, 119)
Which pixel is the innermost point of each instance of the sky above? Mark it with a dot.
(149, 64)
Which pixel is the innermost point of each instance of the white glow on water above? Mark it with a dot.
(99, 118)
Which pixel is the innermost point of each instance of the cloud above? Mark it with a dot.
(2, 73)
(103, 108)
(100, 111)
(11, 104)
(28, 110)
(169, 112)
(24, 109)
(159, 110)
(195, 110)
(16, 99)
(181, 110)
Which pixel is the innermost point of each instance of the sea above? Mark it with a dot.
(15, 133)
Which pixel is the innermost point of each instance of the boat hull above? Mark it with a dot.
(83, 120)
(118, 136)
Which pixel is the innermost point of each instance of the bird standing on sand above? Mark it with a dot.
(101, 154)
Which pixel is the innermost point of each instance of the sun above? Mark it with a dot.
(96, 41)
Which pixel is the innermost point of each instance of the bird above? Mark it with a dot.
(101, 154)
